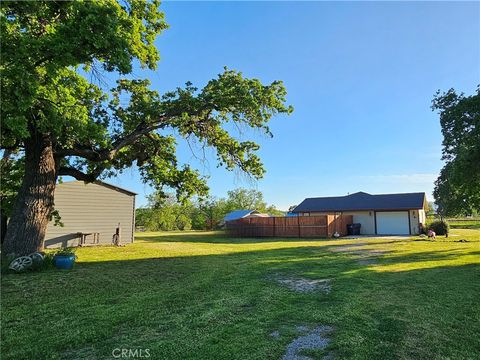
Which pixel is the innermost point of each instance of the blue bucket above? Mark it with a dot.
(64, 262)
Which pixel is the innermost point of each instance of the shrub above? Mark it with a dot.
(48, 261)
(68, 251)
(441, 227)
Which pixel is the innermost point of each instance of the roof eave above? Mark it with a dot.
(115, 187)
(359, 209)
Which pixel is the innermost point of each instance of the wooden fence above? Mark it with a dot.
(295, 226)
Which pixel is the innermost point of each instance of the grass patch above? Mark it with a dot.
(464, 224)
(202, 296)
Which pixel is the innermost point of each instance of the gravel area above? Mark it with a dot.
(387, 237)
(349, 247)
(315, 339)
(358, 249)
(307, 285)
(366, 256)
(302, 328)
(377, 252)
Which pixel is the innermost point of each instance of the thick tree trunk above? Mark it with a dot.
(3, 225)
(34, 202)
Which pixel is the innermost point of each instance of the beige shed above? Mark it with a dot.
(92, 214)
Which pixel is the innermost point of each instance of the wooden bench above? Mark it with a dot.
(83, 238)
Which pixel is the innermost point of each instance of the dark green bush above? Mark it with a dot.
(48, 261)
(441, 227)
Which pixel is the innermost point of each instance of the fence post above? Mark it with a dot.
(274, 226)
(298, 224)
(329, 224)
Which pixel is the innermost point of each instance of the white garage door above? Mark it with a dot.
(392, 223)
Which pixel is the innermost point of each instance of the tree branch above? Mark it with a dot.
(12, 148)
(108, 154)
(81, 151)
(141, 130)
(77, 174)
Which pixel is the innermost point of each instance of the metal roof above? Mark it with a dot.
(238, 214)
(363, 201)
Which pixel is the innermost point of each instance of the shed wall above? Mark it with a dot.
(91, 208)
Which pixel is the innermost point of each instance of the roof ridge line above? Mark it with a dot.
(402, 193)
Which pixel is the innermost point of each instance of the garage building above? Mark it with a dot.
(385, 214)
(91, 214)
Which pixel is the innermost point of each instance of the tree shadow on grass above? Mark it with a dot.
(225, 306)
(218, 237)
(221, 237)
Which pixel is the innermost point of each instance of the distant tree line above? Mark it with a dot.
(165, 212)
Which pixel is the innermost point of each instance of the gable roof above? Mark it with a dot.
(115, 187)
(238, 214)
(101, 183)
(363, 201)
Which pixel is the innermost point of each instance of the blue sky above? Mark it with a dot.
(360, 75)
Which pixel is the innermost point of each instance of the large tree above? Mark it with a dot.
(457, 189)
(61, 120)
(165, 212)
(245, 199)
(212, 211)
(249, 199)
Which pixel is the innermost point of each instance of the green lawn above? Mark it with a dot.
(464, 224)
(203, 296)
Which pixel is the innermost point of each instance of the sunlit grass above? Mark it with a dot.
(177, 244)
(201, 295)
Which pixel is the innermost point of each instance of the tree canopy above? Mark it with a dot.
(246, 199)
(457, 189)
(44, 46)
(167, 213)
(57, 115)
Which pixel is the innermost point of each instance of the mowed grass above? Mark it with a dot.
(464, 224)
(204, 296)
